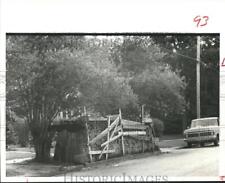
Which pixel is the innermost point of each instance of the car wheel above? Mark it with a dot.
(189, 144)
(202, 144)
(216, 142)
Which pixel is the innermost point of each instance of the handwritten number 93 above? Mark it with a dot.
(201, 20)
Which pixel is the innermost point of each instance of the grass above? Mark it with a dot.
(18, 155)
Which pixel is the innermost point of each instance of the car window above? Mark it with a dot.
(205, 122)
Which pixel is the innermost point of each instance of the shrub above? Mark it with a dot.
(17, 130)
(22, 132)
(158, 126)
(11, 136)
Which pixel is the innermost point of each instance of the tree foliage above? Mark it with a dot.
(158, 126)
(44, 79)
(153, 80)
(182, 57)
(39, 81)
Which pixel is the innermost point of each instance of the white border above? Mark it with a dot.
(222, 106)
(73, 16)
(2, 101)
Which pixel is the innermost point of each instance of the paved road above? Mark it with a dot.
(194, 161)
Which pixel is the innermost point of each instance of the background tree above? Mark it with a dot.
(105, 89)
(11, 136)
(152, 79)
(181, 56)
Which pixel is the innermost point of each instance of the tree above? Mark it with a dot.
(104, 89)
(154, 81)
(11, 137)
(39, 79)
(181, 56)
(46, 75)
(158, 126)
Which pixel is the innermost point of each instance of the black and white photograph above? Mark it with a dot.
(112, 104)
(107, 91)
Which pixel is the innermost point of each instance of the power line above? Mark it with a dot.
(190, 58)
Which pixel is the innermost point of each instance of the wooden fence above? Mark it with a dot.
(117, 128)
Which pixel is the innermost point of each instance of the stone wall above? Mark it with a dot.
(72, 142)
(71, 145)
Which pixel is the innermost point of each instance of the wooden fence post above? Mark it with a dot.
(122, 138)
(110, 138)
(153, 137)
(142, 121)
(107, 149)
(86, 126)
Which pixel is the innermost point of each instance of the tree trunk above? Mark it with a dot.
(42, 150)
(42, 138)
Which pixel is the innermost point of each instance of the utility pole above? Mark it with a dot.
(198, 77)
(142, 113)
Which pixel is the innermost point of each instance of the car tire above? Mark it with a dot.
(202, 144)
(189, 144)
(216, 142)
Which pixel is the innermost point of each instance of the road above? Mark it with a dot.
(194, 161)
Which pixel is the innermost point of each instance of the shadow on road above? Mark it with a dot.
(195, 146)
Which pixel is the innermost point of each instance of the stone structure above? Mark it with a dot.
(87, 139)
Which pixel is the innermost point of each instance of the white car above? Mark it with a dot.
(202, 130)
